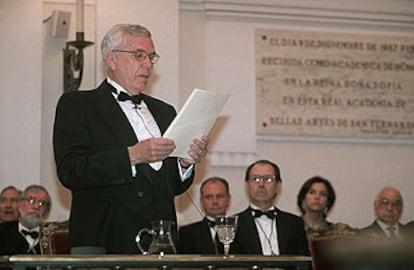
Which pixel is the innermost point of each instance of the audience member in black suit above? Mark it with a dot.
(199, 237)
(315, 199)
(9, 201)
(110, 152)
(274, 232)
(22, 236)
(388, 208)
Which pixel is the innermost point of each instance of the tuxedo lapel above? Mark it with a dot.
(378, 229)
(282, 234)
(114, 116)
(158, 113)
(250, 232)
(207, 242)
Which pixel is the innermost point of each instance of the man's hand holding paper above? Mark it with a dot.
(198, 150)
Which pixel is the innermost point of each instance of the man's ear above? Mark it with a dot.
(111, 59)
(246, 188)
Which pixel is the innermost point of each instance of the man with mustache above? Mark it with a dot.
(110, 153)
(388, 207)
(22, 236)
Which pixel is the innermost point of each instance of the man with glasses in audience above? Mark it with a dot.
(110, 153)
(262, 228)
(388, 207)
(9, 201)
(22, 236)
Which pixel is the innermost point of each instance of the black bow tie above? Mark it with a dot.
(136, 99)
(257, 213)
(211, 223)
(32, 234)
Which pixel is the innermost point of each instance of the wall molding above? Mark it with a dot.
(398, 14)
(231, 159)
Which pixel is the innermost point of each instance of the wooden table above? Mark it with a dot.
(20, 262)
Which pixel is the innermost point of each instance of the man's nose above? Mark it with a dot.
(147, 62)
(261, 183)
(36, 206)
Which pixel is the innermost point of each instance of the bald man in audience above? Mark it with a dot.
(199, 237)
(388, 207)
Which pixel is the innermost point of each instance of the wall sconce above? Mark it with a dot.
(73, 53)
(73, 62)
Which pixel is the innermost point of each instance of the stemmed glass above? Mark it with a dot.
(226, 231)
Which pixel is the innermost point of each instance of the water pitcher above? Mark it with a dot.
(161, 238)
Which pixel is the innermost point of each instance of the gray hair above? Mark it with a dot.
(115, 38)
(11, 188)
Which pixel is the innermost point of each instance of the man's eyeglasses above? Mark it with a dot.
(265, 178)
(40, 203)
(385, 203)
(10, 200)
(141, 55)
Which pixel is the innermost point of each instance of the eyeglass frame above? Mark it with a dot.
(9, 200)
(40, 203)
(153, 57)
(267, 179)
(384, 203)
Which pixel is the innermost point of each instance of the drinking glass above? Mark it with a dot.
(226, 231)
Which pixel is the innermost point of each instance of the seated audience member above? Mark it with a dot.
(22, 236)
(199, 237)
(315, 199)
(9, 200)
(388, 207)
(263, 228)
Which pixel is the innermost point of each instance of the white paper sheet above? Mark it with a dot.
(195, 119)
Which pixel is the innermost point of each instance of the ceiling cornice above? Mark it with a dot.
(390, 13)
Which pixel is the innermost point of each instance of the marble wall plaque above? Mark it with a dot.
(334, 84)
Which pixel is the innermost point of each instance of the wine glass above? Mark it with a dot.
(226, 231)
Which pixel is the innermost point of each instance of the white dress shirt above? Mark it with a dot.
(266, 228)
(144, 126)
(31, 242)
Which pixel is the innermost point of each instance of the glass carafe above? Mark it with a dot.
(161, 238)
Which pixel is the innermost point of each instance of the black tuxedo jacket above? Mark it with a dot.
(195, 238)
(109, 206)
(12, 242)
(290, 232)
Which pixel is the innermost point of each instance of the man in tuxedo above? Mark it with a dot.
(110, 154)
(388, 207)
(22, 236)
(200, 237)
(263, 228)
(9, 202)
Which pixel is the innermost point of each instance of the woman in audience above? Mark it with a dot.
(316, 197)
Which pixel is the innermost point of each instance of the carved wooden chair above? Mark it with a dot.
(328, 246)
(54, 238)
